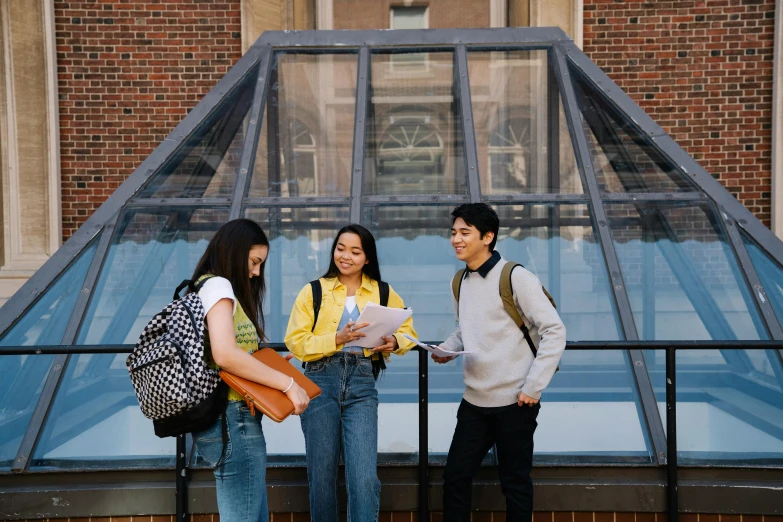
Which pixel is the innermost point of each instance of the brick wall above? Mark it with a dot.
(703, 71)
(128, 72)
(482, 516)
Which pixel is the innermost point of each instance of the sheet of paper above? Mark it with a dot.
(439, 352)
(383, 320)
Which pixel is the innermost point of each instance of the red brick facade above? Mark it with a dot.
(703, 71)
(129, 71)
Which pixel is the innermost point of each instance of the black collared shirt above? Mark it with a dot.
(488, 265)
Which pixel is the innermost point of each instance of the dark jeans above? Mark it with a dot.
(511, 429)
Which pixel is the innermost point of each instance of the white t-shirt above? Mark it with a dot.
(215, 289)
(350, 303)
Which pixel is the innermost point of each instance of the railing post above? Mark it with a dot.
(672, 492)
(424, 454)
(182, 480)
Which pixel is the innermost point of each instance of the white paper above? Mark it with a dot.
(438, 351)
(384, 321)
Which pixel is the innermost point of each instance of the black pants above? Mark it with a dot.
(511, 428)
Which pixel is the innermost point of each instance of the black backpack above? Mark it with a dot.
(174, 384)
(378, 364)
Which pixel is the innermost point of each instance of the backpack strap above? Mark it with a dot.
(456, 285)
(383, 287)
(315, 286)
(193, 286)
(507, 295)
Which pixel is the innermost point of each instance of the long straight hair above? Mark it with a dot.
(227, 256)
(372, 269)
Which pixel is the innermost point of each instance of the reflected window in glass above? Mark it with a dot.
(305, 147)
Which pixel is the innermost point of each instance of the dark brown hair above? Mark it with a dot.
(227, 256)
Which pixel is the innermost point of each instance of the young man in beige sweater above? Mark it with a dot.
(503, 378)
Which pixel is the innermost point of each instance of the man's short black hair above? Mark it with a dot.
(481, 216)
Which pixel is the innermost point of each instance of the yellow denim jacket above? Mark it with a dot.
(308, 344)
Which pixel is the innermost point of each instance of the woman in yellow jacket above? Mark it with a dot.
(344, 418)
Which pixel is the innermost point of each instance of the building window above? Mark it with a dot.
(414, 17)
(409, 17)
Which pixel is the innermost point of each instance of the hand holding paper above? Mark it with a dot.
(436, 350)
(382, 321)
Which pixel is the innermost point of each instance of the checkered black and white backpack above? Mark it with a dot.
(175, 385)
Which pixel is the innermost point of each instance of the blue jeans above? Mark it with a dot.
(344, 418)
(240, 478)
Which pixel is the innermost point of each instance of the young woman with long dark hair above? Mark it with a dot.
(344, 418)
(233, 296)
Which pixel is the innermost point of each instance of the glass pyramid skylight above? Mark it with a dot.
(312, 130)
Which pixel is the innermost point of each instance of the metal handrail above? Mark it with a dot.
(423, 510)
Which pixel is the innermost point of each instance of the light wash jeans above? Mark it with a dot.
(241, 476)
(343, 419)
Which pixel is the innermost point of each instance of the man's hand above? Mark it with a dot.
(523, 399)
(442, 360)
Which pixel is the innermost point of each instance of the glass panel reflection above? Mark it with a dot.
(727, 412)
(46, 321)
(418, 261)
(207, 163)
(558, 244)
(624, 160)
(682, 277)
(152, 252)
(414, 140)
(514, 110)
(770, 274)
(306, 142)
(95, 421)
(20, 388)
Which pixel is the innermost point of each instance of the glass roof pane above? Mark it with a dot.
(208, 162)
(414, 140)
(20, 388)
(681, 275)
(152, 251)
(624, 160)
(306, 142)
(300, 241)
(558, 244)
(769, 272)
(95, 421)
(46, 321)
(514, 108)
(729, 405)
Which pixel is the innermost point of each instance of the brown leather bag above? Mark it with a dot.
(269, 401)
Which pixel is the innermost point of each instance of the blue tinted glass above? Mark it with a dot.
(20, 388)
(95, 421)
(769, 272)
(45, 322)
(557, 243)
(152, 252)
(682, 277)
(207, 163)
(729, 405)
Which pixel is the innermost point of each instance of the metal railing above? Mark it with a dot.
(671, 464)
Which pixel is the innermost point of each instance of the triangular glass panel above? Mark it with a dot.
(770, 274)
(682, 277)
(45, 323)
(152, 251)
(623, 158)
(522, 139)
(305, 147)
(208, 161)
(20, 388)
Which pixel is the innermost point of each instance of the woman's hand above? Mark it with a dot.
(349, 333)
(389, 346)
(298, 396)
